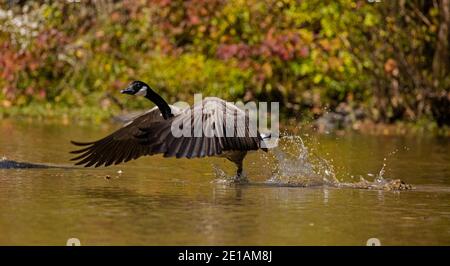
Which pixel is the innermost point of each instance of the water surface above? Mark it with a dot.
(159, 201)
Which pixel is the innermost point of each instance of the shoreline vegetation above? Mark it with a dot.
(375, 68)
(94, 115)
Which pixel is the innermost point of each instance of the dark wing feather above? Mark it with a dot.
(150, 134)
(216, 114)
(123, 145)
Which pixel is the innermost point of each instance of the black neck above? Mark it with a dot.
(159, 101)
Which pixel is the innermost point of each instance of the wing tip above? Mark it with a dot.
(78, 143)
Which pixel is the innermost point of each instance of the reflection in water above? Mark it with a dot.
(157, 201)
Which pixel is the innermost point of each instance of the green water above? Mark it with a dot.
(158, 201)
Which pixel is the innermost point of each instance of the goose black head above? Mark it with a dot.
(138, 88)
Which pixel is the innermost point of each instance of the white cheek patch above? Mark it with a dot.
(142, 92)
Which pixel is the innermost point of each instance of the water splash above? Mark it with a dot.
(223, 178)
(294, 164)
(380, 177)
(297, 165)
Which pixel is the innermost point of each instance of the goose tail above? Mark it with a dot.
(264, 136)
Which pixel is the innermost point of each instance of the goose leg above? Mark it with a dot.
(240, 175)
(237, 157)
(239, 168)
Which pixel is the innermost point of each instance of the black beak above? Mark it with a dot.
(127, 91)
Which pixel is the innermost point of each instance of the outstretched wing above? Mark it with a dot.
(150, 134)
(213, 114)
(124, 144)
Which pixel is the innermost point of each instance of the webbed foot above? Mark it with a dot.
(240, 178)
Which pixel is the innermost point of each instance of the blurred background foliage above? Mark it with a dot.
(383, 61)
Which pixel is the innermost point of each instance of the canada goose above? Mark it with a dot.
(151, 134)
